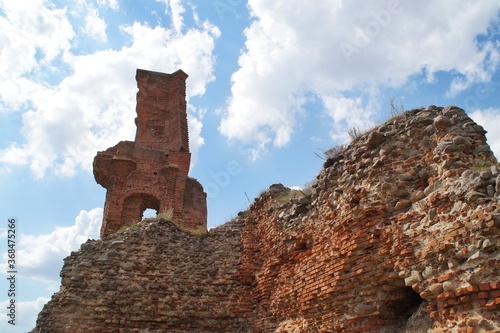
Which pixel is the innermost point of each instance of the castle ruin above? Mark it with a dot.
(152, 171)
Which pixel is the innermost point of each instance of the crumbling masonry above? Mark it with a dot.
(152, 171)
(398, 233)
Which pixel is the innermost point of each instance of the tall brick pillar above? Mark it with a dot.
(152, 171)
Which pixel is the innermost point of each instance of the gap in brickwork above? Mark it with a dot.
(406, 302)
(149, 212)
(409, 312)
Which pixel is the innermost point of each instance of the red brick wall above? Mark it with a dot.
(152, 171)
(398, 233)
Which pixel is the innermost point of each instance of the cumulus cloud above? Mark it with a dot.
(333, 48)
(93, 106)
(113, 4)
(195, 125)
(175, 9)
(27, 313)
(95, 26)
(347, 113)
(40, 259)
(40, 256)
(31, 36)
(490, 120)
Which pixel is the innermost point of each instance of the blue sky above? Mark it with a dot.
(271, 84)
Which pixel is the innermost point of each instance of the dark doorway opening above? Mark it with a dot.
(405, 304)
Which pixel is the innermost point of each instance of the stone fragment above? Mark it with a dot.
(428, 190)
(472, 322)
(488, 243)
(419, 195)
(429, 273)
(402, 204)
(328, 163)
(304, 199)
(459, 140)
(490, 190)
(481, 149)
(127, 266)
(423, 174)
(375, 138)
(427, 294)
(414, 278)
(299, 209)
(436, 288)
(364, 309)
(385, 151)
(432, 213)
(85, 246)
(277, 188)
(403, 193)
(451, 148)
(448, 108)
(473, 196)
(477, 255)
(467, 174)
(378, 163)
(479, 129)
(485, 175)
(450, 285)
(442, 123)
(452, 263)
(494, 170)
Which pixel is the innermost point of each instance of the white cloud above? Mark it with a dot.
(347, 113)
(95, 26)
(333, 48)
(113, 4)
(195, 125)
(175, 9)
(27, 313)
(41, 257)
(93, 107)
(490, 120)
(39, 260)
(31, 36)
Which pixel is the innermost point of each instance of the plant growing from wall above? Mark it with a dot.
(167, 214)
(127, 227)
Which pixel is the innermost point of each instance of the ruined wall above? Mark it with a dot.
(152, 171)
(398, 233)
(152, 278)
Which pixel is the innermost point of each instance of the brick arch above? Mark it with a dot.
(135, 204)
(156, 163)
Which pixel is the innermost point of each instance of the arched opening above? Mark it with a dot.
(149, 213)
(406, 302)
(136, 205)
(408, 311)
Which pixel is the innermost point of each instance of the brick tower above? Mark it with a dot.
(152, 171)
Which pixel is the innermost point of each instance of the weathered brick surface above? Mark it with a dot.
(153, 278)
(398, 233)
(152, 171)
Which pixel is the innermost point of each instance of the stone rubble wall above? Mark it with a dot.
(396, 230)
(398, 233)
(152, 278)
